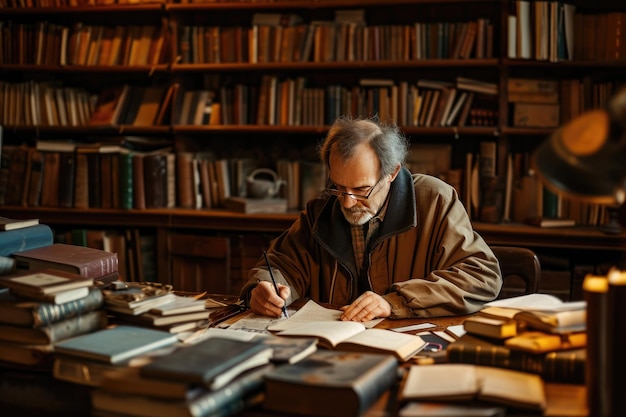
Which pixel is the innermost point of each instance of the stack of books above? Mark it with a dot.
(135, 298)
(181, 314)
(38, 309)
(217, 376)
(18, 235)
(536, 333)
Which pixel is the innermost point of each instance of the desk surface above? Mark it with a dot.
(563, 399)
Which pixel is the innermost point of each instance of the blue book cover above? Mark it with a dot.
(26, 238)
(116, 344)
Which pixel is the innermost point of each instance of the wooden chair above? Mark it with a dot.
(521, 270)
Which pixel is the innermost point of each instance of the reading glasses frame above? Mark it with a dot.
(357, 197)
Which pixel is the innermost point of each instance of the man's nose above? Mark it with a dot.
(348, 202)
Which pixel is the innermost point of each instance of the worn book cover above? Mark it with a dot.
(88, 262)
(213, 362)
(25, 238)
(115, 344)
(44, 282)
(557, 366)
(22, 312)
(54, 332)
(238, 395)
(330, 383)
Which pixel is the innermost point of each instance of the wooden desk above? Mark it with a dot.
(564, 400)
(28, 393)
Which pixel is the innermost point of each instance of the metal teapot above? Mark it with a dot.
(261, 187)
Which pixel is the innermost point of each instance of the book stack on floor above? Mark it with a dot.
(536, 333)
(216, 376)
(86, 359)
(38, 309)
(18, 235)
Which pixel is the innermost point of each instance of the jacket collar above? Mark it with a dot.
(332, 231)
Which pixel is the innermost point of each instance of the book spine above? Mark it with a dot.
(562, 366)
(25, 238)
(47, 313)
(233, 398)
(372, 388)
(616, 341)
(55, 332)
(75, 326)
(595, 290)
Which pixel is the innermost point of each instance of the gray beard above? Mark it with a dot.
(357, 216)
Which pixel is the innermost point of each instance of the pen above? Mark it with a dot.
(269, 268)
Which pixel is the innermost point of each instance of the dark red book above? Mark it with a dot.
(93, 263)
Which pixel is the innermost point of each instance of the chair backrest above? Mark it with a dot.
(521, 270)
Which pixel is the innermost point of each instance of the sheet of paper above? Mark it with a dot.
(413, 327)
(312, 311)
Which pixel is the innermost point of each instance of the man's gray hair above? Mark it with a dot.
(387, 141)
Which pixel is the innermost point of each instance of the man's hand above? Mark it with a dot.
(264, 300)
(367, 307)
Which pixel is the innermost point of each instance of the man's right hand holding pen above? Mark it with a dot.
(266, 302)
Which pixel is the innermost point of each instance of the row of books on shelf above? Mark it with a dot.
(63, 174)
(290, 101)
(555, 31)
(286, 38)
(51, 44)
(273, 101)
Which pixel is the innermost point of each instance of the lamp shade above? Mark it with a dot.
(586, 158)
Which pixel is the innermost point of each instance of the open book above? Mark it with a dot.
(466, 382)
(353, 336)
(313, 320)
(541, 312)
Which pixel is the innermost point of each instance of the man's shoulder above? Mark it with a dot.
(430, 181)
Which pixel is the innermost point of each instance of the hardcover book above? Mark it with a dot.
(21, 312)
(490, 327)
(44, 282)
(213, 362)
(557, 366)
(88, 262)
(330, 383)
(115, 344)
(465, 382)
(238, 395)
(34, 356)
(12, 224)
(25, 238)
(55, 332)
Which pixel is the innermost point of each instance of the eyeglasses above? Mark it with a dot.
(357, 197)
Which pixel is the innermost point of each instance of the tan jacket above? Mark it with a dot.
(427, 260)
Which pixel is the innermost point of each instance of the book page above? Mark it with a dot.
(511, 387)
(537, 302)
(311, 312)
(405, 345)
(331, 333)
(441, 381)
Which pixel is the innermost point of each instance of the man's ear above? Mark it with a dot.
(395, 173)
